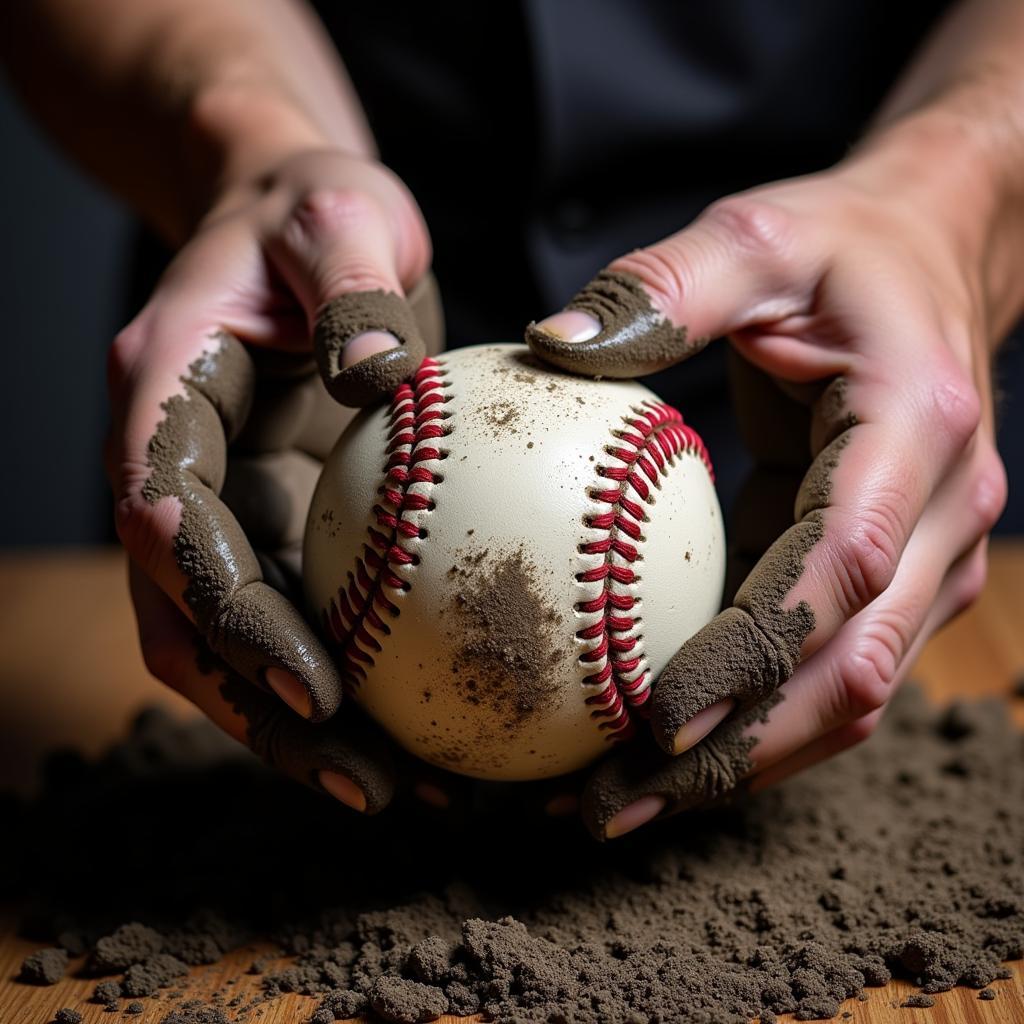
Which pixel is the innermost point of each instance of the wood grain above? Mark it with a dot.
(70, 673)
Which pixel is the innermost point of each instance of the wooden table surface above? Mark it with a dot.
(70, 673)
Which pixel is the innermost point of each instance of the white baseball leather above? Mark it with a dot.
(522, 459)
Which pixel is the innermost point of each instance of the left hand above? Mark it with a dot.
(219, 428)
(858, 294)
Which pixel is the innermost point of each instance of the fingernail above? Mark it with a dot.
(342, 788)
(571, 325)
(693, 731)
(362, 346)
(290, 690)
(431, 794)
(562, 806)
(636, 814)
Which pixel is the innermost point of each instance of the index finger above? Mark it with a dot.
(654, 307)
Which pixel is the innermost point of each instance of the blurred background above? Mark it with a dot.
(71, 260)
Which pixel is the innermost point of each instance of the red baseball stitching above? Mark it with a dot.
(650, 443)
(416, 422)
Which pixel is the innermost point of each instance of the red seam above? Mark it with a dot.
(417, 415)
(645, 451)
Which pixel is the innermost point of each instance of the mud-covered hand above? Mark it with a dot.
(221, 356)
(861, 310)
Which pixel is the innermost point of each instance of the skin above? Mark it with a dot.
(232, 128)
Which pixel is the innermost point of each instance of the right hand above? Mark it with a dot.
(324, 241)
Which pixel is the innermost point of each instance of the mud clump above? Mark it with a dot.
(46, 967)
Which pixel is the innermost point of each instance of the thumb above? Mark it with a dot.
(337, 252)
(657, 306)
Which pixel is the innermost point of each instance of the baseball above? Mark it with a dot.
(504, 558)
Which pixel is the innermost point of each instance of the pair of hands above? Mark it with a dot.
(860, 330)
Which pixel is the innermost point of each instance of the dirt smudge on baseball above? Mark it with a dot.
(510, 639)
(635, 338)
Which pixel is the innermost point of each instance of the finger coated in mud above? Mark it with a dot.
(635, 338)
(370, 379)
(282, 405)
(424, 300)
(350, 746)
(704, 775)
(747, 651)
(244, 620)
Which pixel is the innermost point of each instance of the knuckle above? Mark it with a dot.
(747, 228)
(867, 554)
(867, 674)
(131, 516)
(122, 355)
(957, 406)
(664, 269)
(758, 228)
(144, 528)
(989, 490)
(323, 209)
(354, 274)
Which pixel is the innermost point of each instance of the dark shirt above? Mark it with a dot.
(543, 138)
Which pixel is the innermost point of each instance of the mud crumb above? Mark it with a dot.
(153, 973)
(107, 993)
(46, 967)
(130, 944)
(918, 1002)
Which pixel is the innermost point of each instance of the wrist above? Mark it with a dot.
(958, 172)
